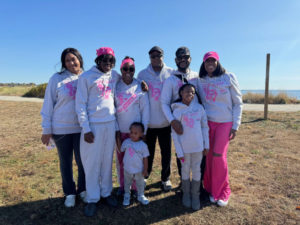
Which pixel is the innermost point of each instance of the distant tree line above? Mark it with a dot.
(17, 84)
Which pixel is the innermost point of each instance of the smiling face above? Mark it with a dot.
(106, 63)
(72, 63)
(183, 61)
(187, 94)
(127, 73)
(210, 66)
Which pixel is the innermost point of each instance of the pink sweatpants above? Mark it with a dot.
(120, 156)
(216, 179)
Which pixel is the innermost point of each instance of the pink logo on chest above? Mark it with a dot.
(210, 92)
(189, 122)
(155, 90)
(131, 151)
(71, 89)
(103, 87)
(126, 102)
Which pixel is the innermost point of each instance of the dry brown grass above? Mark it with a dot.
(264, 163)
(280, 98)
(14, 90)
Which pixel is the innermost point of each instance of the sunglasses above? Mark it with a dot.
(155, 56)
(186, 57)
(106, 60)
(130, 69)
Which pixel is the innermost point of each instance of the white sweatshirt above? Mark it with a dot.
(155, 84)
(135, 152)
(170, 90)
(95, 97)
(222, 99)
(58, 111)
(195, 128)
(132, 105)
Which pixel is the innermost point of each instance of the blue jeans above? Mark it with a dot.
(67, 144)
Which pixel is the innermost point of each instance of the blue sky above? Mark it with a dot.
(34, 33)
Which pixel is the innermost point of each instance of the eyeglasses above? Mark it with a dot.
(106, 60)
(155, 56)
(130, 69)
(181, 57)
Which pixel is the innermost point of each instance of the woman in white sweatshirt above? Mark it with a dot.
(222, 100)
(192, 144)
(132, 105)
(59, 122)
(96, 113)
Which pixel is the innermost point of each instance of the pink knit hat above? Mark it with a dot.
(105, 51)
(211, 55)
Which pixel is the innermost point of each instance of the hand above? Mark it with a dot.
(46, 138)
(181, 159)
(89, 137)
(144, 86)
(145, 173)
(205, 152)
(232, 134)
(176, 125)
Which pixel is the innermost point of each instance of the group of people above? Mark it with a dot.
(92, 113)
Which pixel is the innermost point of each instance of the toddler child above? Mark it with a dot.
(135, 163)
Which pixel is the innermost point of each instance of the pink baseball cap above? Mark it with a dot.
(211, 55)
(105, 51)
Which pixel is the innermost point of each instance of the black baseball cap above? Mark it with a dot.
(182, 51)
(156, 49)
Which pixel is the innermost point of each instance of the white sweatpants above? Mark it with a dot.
(97, 160)
(192, 161)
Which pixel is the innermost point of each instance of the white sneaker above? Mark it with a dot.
(212, 200)
(83, 196)
(222, 203)
(142, 199)
(126, 200)
(70, 201)
(167, 185)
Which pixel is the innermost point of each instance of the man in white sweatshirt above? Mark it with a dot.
(171, 86)
(155, 75)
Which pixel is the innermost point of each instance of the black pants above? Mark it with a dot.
(66, 144)
(164, 140)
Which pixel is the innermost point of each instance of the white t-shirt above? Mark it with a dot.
(135, 152)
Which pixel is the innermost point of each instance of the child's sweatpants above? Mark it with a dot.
(97, 160)
(192, 161)
(120, 164)
(139, 180)
(216, 179)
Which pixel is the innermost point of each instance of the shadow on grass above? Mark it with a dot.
(52, 211)
(253, 121)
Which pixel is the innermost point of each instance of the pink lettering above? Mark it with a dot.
(71, 89)
(131, 151)
(189, 122)
(155, 90)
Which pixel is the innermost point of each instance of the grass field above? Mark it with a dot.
(14, 91)
(264, 164)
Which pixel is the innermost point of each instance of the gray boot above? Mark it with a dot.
(195, 195)
(186, 189)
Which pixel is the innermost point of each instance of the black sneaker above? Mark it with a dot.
(111, 201)
(90, 209)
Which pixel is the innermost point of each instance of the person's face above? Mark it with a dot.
(107, 63)
(210, 65)
(187, 94)
(72, 63)
(127, 73)
(156, 59)
(183, 61)
(135, 133)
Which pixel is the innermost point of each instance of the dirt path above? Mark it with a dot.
(246, 107)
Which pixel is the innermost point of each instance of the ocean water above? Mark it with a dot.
(291, 93)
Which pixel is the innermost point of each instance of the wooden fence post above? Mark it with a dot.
(267, 87)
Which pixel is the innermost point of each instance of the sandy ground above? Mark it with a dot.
(246, 107)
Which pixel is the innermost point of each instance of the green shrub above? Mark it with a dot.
(37, 91)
